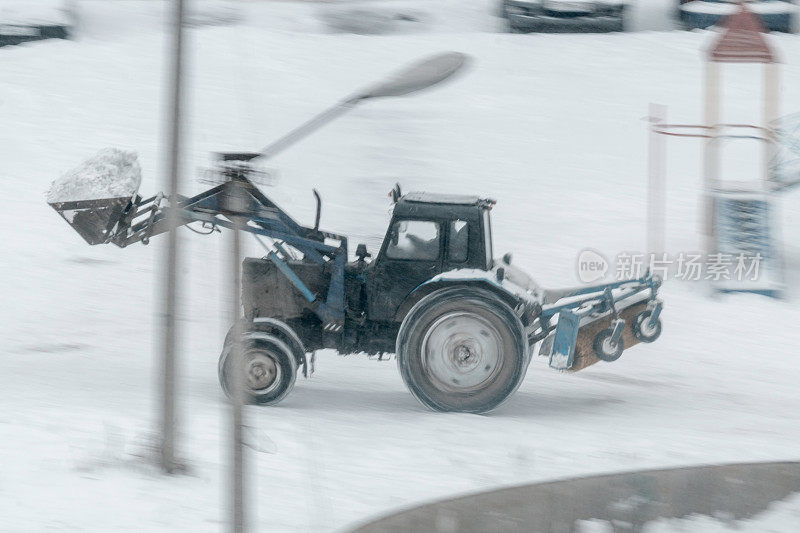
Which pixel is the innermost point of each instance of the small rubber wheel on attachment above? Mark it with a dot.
(605, 349)
(642, 328)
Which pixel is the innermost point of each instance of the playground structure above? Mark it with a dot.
(738, 217)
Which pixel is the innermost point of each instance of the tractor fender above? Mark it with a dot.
(439, 282)
(285, 331)
(279, 329)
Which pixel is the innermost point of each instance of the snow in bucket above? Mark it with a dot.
(111, 173)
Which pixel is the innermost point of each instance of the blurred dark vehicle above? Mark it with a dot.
(564, 15)
(777, 15)
(33, 20)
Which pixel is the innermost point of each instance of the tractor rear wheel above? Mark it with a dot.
(462, 349)
(268, 366)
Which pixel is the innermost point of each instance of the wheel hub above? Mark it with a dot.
(463, 356)
(609, 345)
(262, 373)
(461, 352)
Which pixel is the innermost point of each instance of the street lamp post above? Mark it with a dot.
(169, 346)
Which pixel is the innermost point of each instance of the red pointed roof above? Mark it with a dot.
(742, 40)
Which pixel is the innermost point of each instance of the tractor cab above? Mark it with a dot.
(428, 234)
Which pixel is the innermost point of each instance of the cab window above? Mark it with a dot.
(487, 232)
(457, 241)
(414, 239)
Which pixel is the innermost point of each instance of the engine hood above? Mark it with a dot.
(515, 280)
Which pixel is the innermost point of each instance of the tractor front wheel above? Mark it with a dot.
(462, 349)
(267, 369)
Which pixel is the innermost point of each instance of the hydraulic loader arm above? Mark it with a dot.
(127, 218)
(125, 221)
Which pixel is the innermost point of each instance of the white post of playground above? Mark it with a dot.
(711, 112)
(656, 187)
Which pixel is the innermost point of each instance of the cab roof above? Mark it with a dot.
(432, 205)
(450, 199)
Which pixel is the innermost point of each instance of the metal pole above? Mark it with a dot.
(711, 151)
(656, 193)
(169, 340)
(237, 488)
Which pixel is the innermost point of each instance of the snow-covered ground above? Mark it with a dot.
(779, 517)
(549, 125)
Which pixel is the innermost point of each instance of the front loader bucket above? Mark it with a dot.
(94, 197)
(94, 220)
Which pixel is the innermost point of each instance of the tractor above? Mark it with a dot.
(463, 324)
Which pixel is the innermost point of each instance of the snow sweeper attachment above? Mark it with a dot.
(596, 323)
(94, 197)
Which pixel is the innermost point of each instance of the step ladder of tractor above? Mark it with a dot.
(744, 230)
